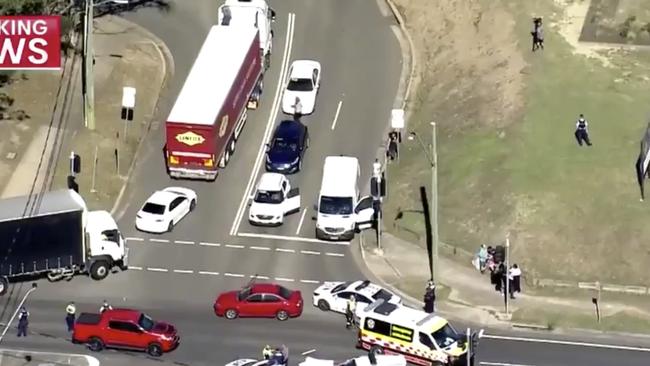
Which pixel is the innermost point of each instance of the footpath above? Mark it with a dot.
(126, 55)
(467, 294)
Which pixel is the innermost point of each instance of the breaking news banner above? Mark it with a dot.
(30, 42)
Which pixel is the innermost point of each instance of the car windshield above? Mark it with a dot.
(445, 336)
(153, 208)
(268, 197)
(283, 144)
(243, 294)
(335, 205)
(382, 294)
(301, 85)
(341, 287)
(284, 292)
(146, 322)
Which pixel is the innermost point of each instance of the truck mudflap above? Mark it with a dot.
(181, 173)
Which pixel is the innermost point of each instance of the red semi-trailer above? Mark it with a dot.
(211, 109)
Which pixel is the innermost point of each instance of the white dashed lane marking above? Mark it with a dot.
(137, 241)
(211, 273)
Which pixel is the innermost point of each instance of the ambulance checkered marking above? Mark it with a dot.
(428, 355)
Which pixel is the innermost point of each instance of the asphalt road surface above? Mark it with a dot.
(175, 276)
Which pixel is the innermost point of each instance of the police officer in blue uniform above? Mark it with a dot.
(582, 133)
(23, 322)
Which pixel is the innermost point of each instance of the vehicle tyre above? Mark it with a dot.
(232, 146)
(95, 344)
(299, 165)
(4, 285)
(99, 270)
(267, 61)
(282, 315)
(154, 350)
(376, 350)
(170, 227)
(225, 158)
(231, 314)
(323, 305)
(192, 205)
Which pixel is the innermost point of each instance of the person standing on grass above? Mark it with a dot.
(582, 131)
(538, 34)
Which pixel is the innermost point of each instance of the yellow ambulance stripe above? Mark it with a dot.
(368, 333)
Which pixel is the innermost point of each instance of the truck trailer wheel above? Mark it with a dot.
(4, 285)
(99, 270)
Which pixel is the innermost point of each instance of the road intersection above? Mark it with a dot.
(176, 276)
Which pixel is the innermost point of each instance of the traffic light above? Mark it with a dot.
(127, 114)
(72, 184)
(378, 187)
(75, 163)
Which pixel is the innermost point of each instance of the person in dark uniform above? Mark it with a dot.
(23, 322)
(430, 298)
(582, 132)
(538, 34)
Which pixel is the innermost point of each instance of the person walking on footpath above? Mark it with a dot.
(70, 315)
(516, 279)
(482, 258)
(23, 322)
(582, 132)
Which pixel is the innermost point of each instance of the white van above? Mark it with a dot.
(340, 211)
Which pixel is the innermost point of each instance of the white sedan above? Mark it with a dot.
(164, 209)
(374, 358)
(302, 87)
(335, 295)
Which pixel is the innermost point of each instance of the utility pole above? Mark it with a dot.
(507, 274)
(88, 69)
(434, 201)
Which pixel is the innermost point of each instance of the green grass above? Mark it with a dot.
(573, 213)
(557, 318)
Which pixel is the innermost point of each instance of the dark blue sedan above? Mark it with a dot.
(285, 152)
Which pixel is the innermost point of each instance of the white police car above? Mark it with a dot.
(334, 295)
(375, 357)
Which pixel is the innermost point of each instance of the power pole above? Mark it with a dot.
(88, 69)
(434, 201)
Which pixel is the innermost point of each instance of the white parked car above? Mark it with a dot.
(334, 295)
(373, 358)
(164, 209)
(301, 87)
(273, 200)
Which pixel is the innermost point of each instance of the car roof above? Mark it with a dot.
(265, 288)
(289, 129)
(404, 316)
(162, 197)
(270, 182)
(340, 175)
(302, 69)
(363, 287)
(123, 314)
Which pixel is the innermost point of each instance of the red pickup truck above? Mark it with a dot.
(126, 329)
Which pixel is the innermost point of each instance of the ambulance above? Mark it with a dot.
(424, 339)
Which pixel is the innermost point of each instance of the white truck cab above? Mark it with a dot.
(257, 13)
(105, 239)
(340, 211)
(273, 200)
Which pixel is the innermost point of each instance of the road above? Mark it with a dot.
(176, 276)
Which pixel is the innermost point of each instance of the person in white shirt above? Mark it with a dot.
(514, 276)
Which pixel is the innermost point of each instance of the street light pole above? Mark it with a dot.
(89, 57)
(22, 302)
(434, 201)
(432, 156)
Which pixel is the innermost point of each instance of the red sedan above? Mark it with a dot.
(260, 300)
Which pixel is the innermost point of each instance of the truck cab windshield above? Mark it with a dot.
(335, 205)
(153, 208)
(146, 322)
(445, 336)
(273, 197)
(111, 235)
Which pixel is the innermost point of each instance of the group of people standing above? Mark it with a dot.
(70, 317)
(493, 260)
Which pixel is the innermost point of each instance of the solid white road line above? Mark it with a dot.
(183, 271)
(284, 250)
(291, 238)
(567, 343)
(336, 116)
(235, 246)
(233, 275)
(154, 240)
(309, 252)
(209, 273)
(206, 244)
(154, 269)
(259, 248)
(284, 279)
(309, 281)
(302, 218)
(269, 124)
(134, 239)
(184, 242)
(135, 268)
(502, 364)
(330, 254)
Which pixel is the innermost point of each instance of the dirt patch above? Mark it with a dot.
(615, 21)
